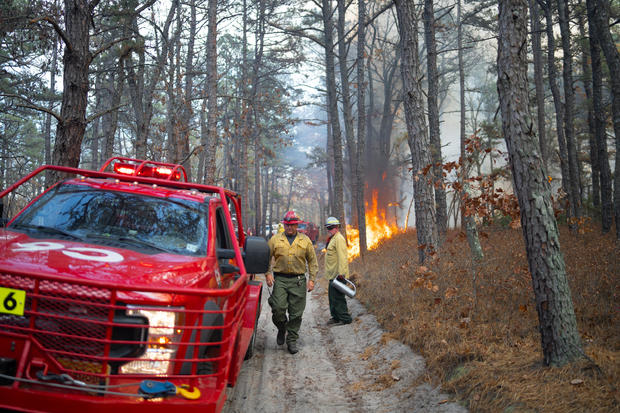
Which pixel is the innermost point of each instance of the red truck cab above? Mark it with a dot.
(126, 289)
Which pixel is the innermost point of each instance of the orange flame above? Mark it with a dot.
(377, 229)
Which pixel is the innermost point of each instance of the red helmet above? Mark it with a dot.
(291, 218)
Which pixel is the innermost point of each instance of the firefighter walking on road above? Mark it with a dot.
(291, 251)
(336, 265)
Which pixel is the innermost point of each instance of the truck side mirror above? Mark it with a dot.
(256, 255)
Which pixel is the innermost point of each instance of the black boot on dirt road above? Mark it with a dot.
(281, 336)
(292, 347)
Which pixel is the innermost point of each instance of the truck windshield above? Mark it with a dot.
(125, 220)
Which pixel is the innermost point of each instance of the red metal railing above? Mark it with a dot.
(96, 332)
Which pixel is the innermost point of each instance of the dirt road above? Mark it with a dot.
(351, 368)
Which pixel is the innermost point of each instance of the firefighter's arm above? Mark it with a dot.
(343, 259)
(269, 274)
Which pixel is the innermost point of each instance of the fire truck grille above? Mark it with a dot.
(69, 317)
(85, 330)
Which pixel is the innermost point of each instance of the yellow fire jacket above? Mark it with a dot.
(292, 258)
(336, 262)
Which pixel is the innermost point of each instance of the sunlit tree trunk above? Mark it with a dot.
(560, 339)
(416, 128)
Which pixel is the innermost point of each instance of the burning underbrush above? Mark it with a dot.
(377, 229)
(476, 323)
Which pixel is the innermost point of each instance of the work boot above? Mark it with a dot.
(292, 347)
(332, 321)
(281, 336)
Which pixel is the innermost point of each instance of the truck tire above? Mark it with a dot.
(250, 351)
(206, 336)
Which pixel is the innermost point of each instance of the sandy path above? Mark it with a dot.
(352, 368)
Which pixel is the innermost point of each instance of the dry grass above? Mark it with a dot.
(477, 327)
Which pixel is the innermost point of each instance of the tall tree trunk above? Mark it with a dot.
(76, 61)
(569, 109)
(346, 103)
(558, 327)
(332, 101)
(587, 83)
(557, 101)
(433, 120)
(538, 79)
(361, 126)
(50, 106)
(110, 120)
(186, 115)
(142, 93)
(599, 118)
(212, 139)
(467, 220)
(416, 128)
(600, 18)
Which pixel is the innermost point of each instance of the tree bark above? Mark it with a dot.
(332, 101)
(416, 128)
(587, 85)
(599, 118)
(467, 220)
(569, 109)
(361, 126)
(560, 339)
(600, 18)
(212, 136)
(76, 61)
(559, 108)
(433, 120)
(346, 103)
(538, 80)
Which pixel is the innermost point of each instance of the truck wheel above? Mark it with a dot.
(206, 336)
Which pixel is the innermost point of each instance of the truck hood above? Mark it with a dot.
(86, 261)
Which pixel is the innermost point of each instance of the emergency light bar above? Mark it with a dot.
(160, 172)
(147, 169)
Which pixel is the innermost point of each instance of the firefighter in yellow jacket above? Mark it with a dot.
(291, 251)
(336, 265)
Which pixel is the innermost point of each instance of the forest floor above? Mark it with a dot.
(455, 336)
(476, 324)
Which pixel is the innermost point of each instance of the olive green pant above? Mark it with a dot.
(288, 294)
(338, 305)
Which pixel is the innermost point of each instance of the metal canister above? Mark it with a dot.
(344, 286)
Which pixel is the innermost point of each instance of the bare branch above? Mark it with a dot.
(41, 109)
(58, 29)
(107, 46)
(99, 114)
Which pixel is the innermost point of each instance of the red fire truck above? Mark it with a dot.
(126, 289)
(310, 230)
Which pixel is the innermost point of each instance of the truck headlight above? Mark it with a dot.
(163, 338)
